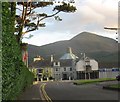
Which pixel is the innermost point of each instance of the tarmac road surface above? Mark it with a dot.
(68, 91)
(60, 91)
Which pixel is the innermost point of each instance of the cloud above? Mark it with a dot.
(107, 9)
(89, 12)
(91, 15)
(47, 37)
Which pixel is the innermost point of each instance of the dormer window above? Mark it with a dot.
(56, 63)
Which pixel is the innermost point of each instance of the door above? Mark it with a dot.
(65, 77)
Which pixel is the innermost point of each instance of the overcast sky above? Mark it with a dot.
(91, 16)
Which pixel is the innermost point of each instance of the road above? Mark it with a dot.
(68, 91)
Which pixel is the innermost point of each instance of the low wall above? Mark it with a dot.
(108, 73)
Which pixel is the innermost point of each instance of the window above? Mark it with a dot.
(70, 69)
(64, 69)
(40, 70)
(56, 63)
(56, 69)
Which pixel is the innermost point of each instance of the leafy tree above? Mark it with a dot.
(29, 20)
(34, 72)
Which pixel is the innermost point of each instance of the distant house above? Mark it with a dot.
(43, 69)
(87, 68)
(38, 58)
(64, 68)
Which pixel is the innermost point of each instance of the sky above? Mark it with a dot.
(90, 16)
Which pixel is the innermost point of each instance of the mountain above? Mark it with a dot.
(102, 49)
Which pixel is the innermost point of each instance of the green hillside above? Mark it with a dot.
(102, 49)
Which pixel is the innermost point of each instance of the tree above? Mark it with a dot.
(29, 20)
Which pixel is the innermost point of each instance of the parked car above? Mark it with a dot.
(118, 77)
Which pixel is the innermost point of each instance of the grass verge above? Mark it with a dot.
(115, 87)
(89, 81)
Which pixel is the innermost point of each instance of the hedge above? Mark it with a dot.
(15, 75)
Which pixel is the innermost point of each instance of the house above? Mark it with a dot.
(38, 58)
(44, 70)
(64, 68)
(87, 68)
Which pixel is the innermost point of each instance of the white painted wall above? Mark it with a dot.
(94, 64)
(58, 74)
(108, 73)
(80, 65)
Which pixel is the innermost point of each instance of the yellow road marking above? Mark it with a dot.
(40, 89)
(44, 95)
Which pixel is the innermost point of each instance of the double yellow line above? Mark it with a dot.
(44, 95)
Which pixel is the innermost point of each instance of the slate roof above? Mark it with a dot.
(69, 55)
(66, 63)
(41, 63)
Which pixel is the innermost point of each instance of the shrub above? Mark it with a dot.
(15, 75)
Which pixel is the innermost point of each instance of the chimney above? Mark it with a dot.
(69, 50)
(51, 59)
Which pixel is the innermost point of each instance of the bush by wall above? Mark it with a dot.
(15, 75)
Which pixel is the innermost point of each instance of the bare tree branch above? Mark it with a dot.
(23, 33)
(49, 16)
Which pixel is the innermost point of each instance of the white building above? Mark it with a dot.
(87, 68)
(64, 68)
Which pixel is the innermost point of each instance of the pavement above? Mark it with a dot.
(31, 93)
